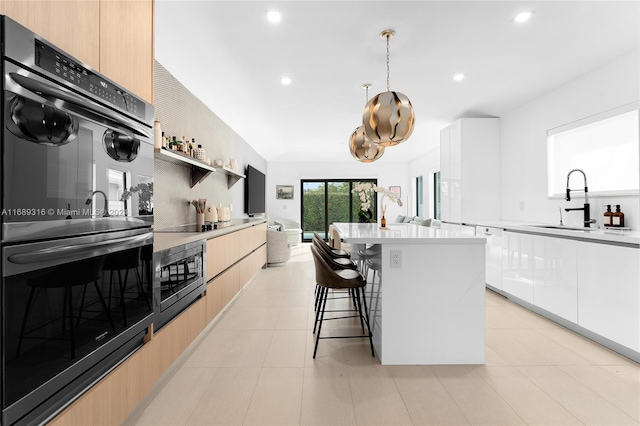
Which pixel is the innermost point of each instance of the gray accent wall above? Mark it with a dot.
(181, 113)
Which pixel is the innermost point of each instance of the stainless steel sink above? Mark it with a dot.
(563, 228)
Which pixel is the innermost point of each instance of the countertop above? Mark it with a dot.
(403, 233)
(164, 240)
(606, 235)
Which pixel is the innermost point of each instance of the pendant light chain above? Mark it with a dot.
(388, 117)
(387, 62)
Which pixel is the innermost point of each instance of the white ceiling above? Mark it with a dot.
(230, 57)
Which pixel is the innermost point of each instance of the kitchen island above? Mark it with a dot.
(431, 309)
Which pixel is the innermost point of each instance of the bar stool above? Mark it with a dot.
(340, 258)
(334, 252)
(372, 252)
(125, 261)
(374, 264)
(337, 264)
(327, 279)
(67, 276)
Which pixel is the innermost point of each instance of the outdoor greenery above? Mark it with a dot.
(343, 206)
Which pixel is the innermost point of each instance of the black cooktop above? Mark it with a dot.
(193, 228)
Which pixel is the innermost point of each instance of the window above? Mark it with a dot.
(324, 202)
(604, 146)
(117, 183)
(436, 195)
(419, 197)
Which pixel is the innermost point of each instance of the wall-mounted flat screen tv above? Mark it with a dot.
(254, 192)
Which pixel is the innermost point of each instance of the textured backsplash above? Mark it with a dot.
(181, 113)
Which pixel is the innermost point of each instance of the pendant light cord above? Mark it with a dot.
(387, 62)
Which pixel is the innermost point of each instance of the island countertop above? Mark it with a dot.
(405, 233)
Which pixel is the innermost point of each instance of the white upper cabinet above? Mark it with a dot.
(470, 170)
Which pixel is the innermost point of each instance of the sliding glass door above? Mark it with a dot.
(327, 201)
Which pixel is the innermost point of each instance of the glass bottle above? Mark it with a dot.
(608, 216)
(618, 218)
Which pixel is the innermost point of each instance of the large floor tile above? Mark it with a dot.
(226, 400)
(617, 390)
(326, 397)
(294, 318)
(176, 402)
(505, 344)
(426, 398)
(232, 348)
(478, 401)
(530, 402)
(277, 399)
(589, 407)
(250, 318)
(376, 398)
(287, 349)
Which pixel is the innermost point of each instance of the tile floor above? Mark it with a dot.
(255, 367)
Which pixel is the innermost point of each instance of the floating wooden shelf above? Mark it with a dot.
(199, 169)
(232, 176)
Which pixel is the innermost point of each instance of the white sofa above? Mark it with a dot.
(292, 229)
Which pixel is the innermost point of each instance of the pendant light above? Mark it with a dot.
(388, 117)
(360, 145)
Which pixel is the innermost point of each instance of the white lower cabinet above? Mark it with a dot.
(493, 255)
(517, 265)
(555, 287)
(609, 292)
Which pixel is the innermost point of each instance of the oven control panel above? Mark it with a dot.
(60, 65)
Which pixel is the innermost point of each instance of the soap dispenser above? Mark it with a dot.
(618, 218)
(608, 216)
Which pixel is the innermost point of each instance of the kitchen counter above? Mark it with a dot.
(404, 233)
(164, 240)
(432, 308)
(613, 236)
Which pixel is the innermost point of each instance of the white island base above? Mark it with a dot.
(431, 308)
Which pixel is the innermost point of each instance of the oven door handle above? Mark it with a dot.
(94, 112)
(59, 252)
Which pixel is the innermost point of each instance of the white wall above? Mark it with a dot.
(290, 173)
(524, 139)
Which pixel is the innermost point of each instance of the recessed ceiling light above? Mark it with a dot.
(286, 80)
(274, 16)
(522, 17)
(458, 77)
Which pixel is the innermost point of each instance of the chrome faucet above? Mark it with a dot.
(587, 216)
(106, 202)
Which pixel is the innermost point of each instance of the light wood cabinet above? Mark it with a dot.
(111, 400)
(114, 37)
(232, 260)
(126, 44)
(224, 251)
(71, 25)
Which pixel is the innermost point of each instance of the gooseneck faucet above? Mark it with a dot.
(587, 217)
(106, 202)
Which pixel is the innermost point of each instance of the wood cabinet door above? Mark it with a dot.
(126, 44)
(71, 25)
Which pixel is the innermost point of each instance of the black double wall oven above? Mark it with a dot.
(77, 242)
